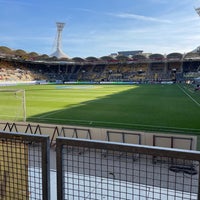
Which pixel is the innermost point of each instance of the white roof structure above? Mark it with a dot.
(198, 10)
(59, 54)
(197, 50)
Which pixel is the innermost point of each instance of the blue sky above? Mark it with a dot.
(100, 27)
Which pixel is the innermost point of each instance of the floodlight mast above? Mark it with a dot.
(59, 53)
(60, 27)
(198, 10)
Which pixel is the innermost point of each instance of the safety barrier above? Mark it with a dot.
(91, 169)
(24, 166)
(123, 136)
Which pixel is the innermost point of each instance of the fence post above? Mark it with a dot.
(59, 169)
(46, 169)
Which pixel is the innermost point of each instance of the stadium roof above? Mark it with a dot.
(197, 50)
(130, 53)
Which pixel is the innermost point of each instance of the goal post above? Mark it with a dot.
(13, 104)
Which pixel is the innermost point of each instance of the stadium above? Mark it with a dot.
(123, 73)
(113, 126)
(136, 67)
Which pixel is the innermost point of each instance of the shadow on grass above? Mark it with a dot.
(148, 108)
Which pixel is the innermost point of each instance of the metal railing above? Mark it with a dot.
(24, 166)
(171, 140)
(89, 169)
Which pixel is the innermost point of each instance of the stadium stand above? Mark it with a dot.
(135, 68)
(10, 71)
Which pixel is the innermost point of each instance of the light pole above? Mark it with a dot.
(59, 53)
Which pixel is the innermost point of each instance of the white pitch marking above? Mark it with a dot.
(198, 104)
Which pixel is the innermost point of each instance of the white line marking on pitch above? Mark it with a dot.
(117, 123)
(51, 113)
(58, 111)
(198, 104)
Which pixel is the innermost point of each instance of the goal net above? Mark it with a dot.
(12, 105)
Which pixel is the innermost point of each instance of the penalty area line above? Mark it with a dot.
(51, 113)
(197, 103)
(90, 122)
(56, 111)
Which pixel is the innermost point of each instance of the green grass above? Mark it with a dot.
(141, 107)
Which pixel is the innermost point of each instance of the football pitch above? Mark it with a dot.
(167, 108)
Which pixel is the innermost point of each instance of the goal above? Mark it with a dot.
(13, 104)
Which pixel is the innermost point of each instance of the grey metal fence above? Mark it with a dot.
(88, 169)
(94, 170)
(24, 167)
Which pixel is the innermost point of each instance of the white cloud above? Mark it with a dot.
(140, 17)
